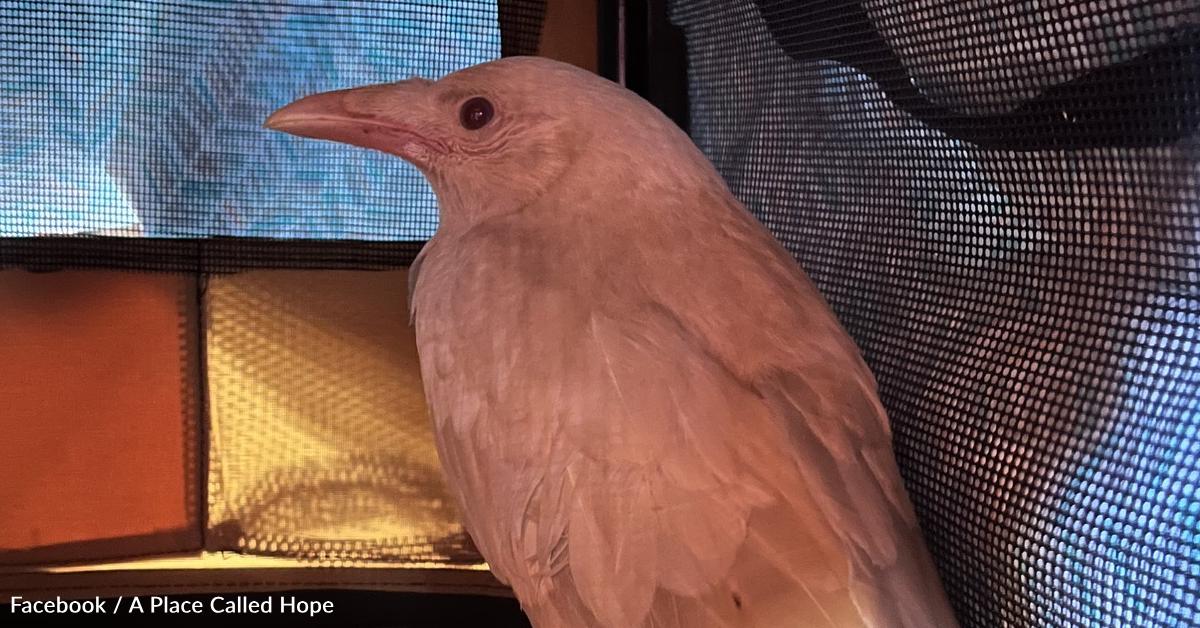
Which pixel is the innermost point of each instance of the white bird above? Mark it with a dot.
(647, 412)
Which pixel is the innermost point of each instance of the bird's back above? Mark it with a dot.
(632, 452)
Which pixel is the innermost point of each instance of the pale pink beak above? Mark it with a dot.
(371, 117)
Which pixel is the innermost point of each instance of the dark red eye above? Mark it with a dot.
(475, 113)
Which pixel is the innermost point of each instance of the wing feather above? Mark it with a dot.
(619, 471)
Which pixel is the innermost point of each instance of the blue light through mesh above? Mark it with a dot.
(144, 117)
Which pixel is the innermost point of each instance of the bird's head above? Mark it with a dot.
(492, 137)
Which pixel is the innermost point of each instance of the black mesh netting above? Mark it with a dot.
(1001, 201)
(133, 139)
(521, 25)
(143, 119)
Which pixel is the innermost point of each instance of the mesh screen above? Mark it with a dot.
(319, 443)
(135, 117)
(99, 415)
(521, 26)
(140, 121)
(1000, 199)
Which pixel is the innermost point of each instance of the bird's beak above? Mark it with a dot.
(384, 117)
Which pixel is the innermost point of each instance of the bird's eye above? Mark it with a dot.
(476, 113)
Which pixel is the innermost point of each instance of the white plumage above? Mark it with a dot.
(648, 413)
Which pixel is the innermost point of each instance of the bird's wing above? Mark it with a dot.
(660, 488)
(690, 497)
(617, 471)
